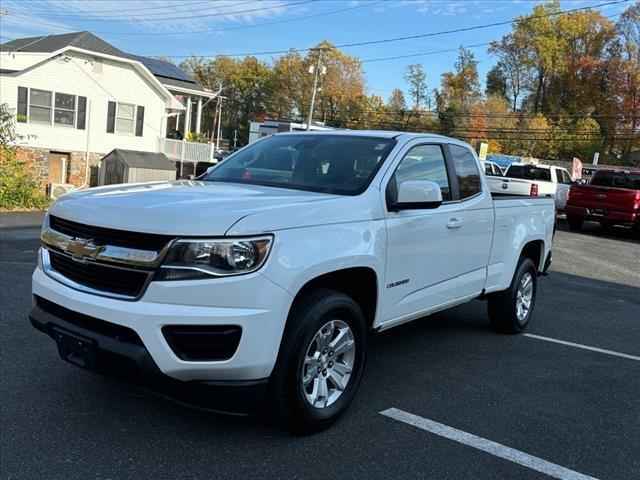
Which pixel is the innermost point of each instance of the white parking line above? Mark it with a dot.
(485, 445)
(585, 347)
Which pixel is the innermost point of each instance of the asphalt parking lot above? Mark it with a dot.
(541, 401)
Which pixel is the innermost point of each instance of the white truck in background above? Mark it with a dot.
(259, 283)
(534, 180)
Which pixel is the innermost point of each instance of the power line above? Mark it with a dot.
(243, 27)
(124, 12)
(412, 37)
(421, 54)
(172, 17)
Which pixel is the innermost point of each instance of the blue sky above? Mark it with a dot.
(207, 27)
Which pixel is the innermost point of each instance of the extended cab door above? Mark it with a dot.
(421, 269)
(475, 230)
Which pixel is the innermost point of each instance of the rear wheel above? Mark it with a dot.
(575, 222)
(510, 310)
(320, 363)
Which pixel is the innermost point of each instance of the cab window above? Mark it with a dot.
(466, 171)
(425, 162)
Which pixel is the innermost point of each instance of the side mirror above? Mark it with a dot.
(418, 194)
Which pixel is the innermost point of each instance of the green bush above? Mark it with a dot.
(18, 188)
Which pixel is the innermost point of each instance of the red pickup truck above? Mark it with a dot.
(612, 197)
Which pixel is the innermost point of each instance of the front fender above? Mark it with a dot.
(302, 254)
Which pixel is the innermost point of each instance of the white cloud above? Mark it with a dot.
(160, 16)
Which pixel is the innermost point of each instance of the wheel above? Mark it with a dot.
(575, 222)
(511, 309)
(320, 363)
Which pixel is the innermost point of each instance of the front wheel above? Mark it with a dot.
(320, 363)
(510, 310)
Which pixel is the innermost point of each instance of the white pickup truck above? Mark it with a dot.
(534, 179)
(258, 284)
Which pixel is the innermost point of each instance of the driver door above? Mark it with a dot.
(420, 273)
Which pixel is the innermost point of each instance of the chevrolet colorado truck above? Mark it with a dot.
(612, 197)
(254, 288)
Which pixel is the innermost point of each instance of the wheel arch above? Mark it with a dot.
(534, 250)
(359, 283)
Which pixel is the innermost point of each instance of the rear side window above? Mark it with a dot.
(425, 162)
(466, 171)
(529, 172)
(563, 176)
(630, 180)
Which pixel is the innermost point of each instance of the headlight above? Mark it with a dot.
(192, 259)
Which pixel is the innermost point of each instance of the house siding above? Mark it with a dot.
(118, 81)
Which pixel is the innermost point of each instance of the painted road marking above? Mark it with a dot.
(485, 445)
(585, 347)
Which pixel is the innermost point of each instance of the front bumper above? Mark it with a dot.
(251, 302)
(125, 358)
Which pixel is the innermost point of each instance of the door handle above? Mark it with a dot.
(454, 223)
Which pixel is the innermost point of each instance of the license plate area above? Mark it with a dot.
(598, 213)
(76, 349)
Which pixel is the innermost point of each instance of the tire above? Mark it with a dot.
(289, 400)
(575, 222)
(503, 307)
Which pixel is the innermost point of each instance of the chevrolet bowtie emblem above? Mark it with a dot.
(83, 249)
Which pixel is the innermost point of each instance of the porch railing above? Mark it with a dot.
(186, 151)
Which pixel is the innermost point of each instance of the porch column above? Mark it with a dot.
(199, 115)
(187, 117)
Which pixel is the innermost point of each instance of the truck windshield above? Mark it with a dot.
(630, 180)
(529, 172)
(340, 164)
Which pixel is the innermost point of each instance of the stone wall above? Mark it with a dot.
(37, 162)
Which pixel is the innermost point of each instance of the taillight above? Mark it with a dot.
(534, 190)
(636, 205)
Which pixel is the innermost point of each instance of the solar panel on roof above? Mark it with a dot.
(164, 69)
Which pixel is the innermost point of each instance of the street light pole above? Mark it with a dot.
(315, 87)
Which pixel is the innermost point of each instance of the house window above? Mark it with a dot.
(51, 108)
(65, 111)
(125, 118)
(40, 106)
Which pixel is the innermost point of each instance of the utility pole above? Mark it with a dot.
(219, 122)
(317, 71)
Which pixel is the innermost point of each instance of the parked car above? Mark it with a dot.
(260, 283)
(534, 180)
(612, 197)
(492, 168)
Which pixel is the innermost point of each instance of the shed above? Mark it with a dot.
(131, 166)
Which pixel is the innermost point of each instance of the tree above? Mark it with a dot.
(496, 82)
(18, 188)
(342, 87)
(397, 102)
(291, 86)
(417, 80)
(513, 64)
(461, 88)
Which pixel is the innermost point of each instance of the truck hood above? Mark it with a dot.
(200, 208)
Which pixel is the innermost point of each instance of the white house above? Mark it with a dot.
(76, 98)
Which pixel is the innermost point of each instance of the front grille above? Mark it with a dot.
(98, 276)
(109, 329)
(108, 236)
